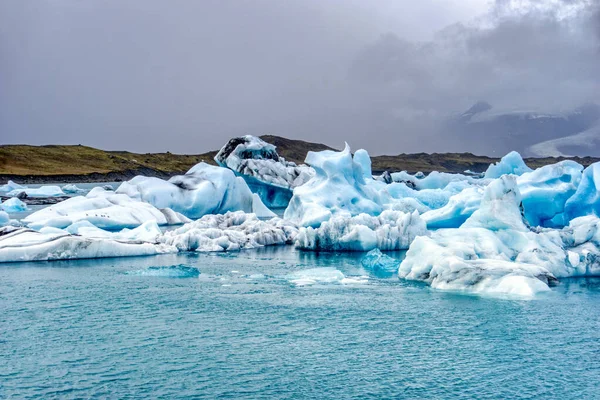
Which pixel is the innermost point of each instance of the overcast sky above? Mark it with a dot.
(185, 76)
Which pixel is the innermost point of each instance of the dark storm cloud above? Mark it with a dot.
(185, 76)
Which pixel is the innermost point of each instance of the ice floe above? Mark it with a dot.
(43, 191)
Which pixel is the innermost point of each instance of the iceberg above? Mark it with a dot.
(13, 205)
(43, 191)
(21, 244)
(546, 190)
(10, 186)
(496, 251)
(204, 189)
(379, 263)
(339, 187)
(70, 188)
(512, 163)
(105, 210)
(391, 230)
(230, 232)
(265, 171)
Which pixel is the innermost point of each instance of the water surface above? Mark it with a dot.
(241, 329)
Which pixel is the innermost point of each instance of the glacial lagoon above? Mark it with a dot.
(247, 327)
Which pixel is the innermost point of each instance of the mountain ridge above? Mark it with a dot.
(75, 163)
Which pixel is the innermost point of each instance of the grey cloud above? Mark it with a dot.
(185, 76)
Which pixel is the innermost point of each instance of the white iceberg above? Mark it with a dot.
(71, 188)
(10, 186)
(43, 191)
(105, 210)
(230, 232)
(13, 205)
(495, 251)
(21, 244)
(391, 230)
(204, 189)
(512, 163)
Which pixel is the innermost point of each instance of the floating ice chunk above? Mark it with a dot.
(379, 263)
(230, 232)
(70, 188)
(20, 244)
(253, 157)
(44, 191)
(339, 187)
(105, 210)
(546, 190)
(316, 275)
(10, 186)
(512, 163)
(13, 205)
(173, 271)
(391, 230)
(204, 189)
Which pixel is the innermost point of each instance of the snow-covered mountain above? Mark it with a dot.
(532, 133)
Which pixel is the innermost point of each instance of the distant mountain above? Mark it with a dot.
(481, 127)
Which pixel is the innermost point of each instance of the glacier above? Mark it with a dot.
(204, 189)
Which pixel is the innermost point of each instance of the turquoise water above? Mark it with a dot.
(114, 328)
